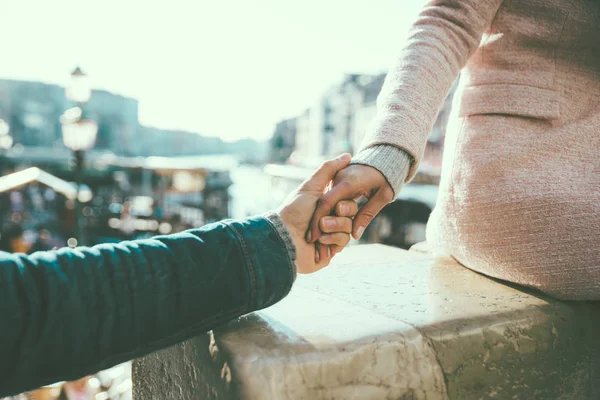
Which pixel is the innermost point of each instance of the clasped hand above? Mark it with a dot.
(334, 212)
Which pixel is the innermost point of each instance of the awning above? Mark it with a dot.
(67, 189)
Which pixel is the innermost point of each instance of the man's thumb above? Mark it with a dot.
(326, 172)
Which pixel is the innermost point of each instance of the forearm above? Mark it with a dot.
(69, 313)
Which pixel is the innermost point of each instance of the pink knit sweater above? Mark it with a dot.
(520, 191)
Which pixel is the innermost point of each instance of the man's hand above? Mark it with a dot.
(353, 182)
(300, 205)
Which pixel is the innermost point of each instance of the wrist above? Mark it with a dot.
(392, 162)
(277, 219)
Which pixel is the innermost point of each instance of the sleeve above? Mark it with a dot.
(392, 162)
(440, 42)
(72, 312)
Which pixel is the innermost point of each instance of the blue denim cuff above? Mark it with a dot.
(270, 264)
(275, 220)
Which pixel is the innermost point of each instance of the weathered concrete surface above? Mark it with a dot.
(382, 323)
(191, 370)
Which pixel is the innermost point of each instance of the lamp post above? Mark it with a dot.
(79, 132)
(6, 141)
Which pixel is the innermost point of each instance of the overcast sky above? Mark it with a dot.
(223, 68)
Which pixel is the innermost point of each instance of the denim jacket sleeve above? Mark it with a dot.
(72, 312)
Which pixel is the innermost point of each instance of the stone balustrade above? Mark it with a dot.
(384, 323)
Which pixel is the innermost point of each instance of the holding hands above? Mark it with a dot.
(319, 238)
(352, 182)
(300, 205)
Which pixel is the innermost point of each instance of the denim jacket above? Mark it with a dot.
(72, 312)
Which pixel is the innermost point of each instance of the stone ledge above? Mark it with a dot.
(384, 323)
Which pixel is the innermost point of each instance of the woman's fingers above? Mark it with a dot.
(370, 210)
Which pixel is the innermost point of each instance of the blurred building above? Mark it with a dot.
(177, 143)
(328, 127)
(366, 112)
(307, 139)
(33, 110)
(167, 143)
(309, 136)
(118, 125)
(283, 141)
(344, 101)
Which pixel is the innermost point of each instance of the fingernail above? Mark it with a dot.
(329, 222)
(317, 257)
(309, 236)
(328, 252)
(359, 232)
(344, 210)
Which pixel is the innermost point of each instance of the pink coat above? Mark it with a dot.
(520, 191)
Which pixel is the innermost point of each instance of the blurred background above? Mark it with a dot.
(124, 120)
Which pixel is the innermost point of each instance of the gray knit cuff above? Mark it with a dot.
(275, 220)
(391, 161)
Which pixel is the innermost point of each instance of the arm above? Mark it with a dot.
(441, 40)
(69, 313)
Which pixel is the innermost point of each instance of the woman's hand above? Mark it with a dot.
(352, 182)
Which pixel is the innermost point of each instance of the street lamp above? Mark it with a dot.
(79, 133)
(6, 142)
(79, 90)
